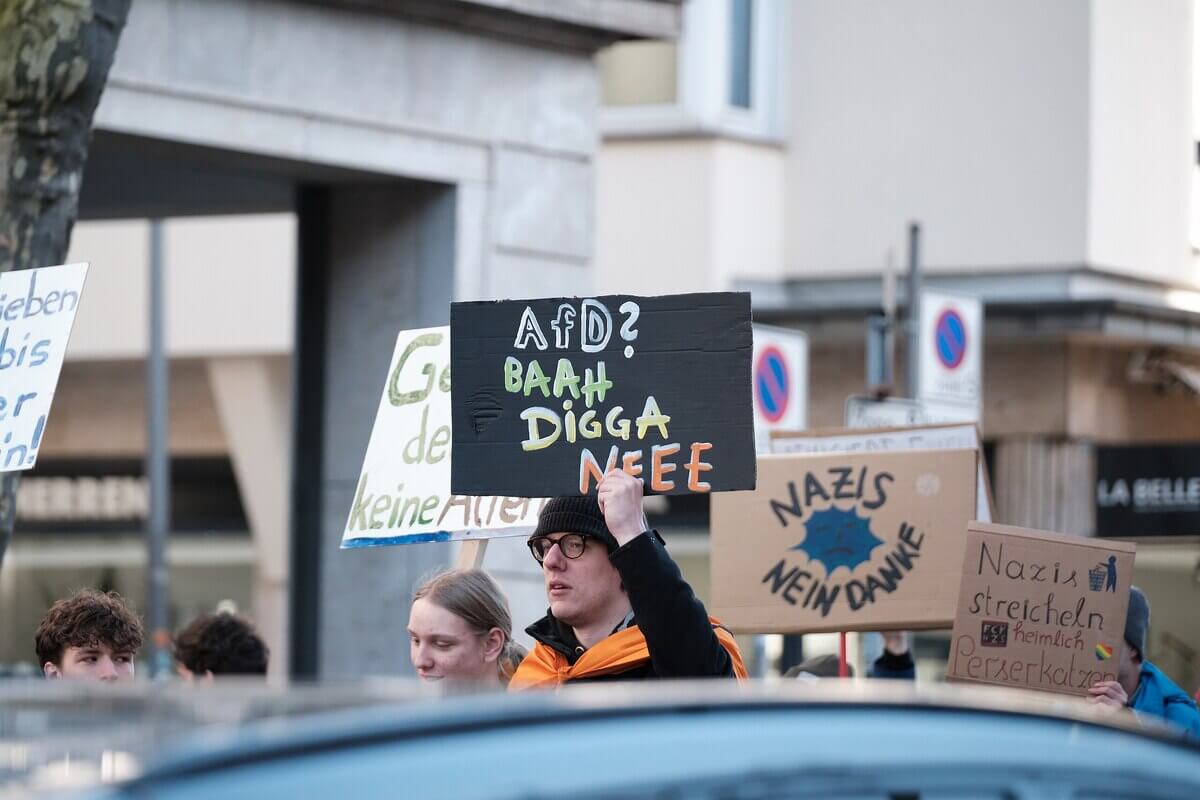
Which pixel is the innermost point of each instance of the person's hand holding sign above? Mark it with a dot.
(620, 498)
(1109, 695)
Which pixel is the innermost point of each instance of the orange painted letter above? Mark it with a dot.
(630, 463)
(695, 466)
(658, 468)
(588, 469)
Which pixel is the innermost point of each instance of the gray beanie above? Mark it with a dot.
(1137, 621)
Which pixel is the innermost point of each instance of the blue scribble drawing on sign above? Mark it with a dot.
(838, 538)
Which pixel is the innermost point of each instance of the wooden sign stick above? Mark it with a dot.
(470, 555)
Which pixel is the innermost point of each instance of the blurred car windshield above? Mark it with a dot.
(684, 740)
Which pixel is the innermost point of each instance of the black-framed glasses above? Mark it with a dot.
(571, 545)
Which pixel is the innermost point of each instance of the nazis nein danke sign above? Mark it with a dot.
(843, 542)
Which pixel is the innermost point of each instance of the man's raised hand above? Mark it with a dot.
(620, 498)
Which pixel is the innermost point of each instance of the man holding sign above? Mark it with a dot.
(619, 607)
(1140, 685)
(596, 400)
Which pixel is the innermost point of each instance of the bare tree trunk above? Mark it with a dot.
(54, 61)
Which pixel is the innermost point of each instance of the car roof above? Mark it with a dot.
(569, 713)
(171, 735)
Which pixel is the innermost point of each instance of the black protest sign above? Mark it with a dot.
(549, 394)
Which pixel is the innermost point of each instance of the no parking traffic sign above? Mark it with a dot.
(780, 377)
(771, 383)
(950, 338)
(951, 350)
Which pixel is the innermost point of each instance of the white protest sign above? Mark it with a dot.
(37, 311)
(955, 436)
(403, 494)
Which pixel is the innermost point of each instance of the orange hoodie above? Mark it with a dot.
(545, 667)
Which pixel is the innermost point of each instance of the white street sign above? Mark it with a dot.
(891, 412)
(868, 412)
(951, 342)
(779, 373)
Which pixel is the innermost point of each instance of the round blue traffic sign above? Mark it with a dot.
(771, 384)
(950, 337)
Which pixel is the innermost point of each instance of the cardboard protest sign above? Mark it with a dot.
(1040, 610)
(549, 394)
(37, 312)
(403, 494)
(942, 436)
(843, 542)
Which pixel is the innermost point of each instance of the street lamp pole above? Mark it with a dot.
(158, 468)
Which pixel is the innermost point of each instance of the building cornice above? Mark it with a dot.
(572, 24)
(1019, 304)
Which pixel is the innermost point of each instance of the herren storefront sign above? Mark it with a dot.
(104, 498)
(1148, 491)
(113, 495)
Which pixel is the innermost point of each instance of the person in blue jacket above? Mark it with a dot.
(1140, 685)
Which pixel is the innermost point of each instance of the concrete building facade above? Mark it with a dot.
(421, 152)
(1047, 150)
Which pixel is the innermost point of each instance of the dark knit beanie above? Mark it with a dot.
(1137, 621)
(575, 514)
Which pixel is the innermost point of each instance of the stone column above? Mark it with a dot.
(252, 397)
(374, 259)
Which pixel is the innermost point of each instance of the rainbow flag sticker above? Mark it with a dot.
(1103, 652)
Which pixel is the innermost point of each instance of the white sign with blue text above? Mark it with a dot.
(37, 311)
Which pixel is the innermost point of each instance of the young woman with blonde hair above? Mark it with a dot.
(460, 630)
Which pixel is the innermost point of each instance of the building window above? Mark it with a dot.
(639, 73)
(741, 52)
(725, 76)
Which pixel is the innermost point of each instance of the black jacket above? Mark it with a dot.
(896, 667)
(678, 633)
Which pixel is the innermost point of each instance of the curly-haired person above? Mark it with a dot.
(219, 644)
(90, 635)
